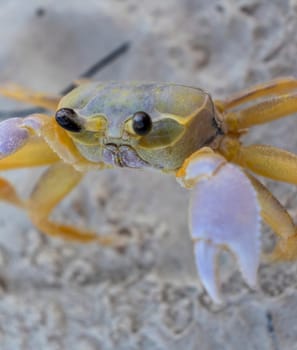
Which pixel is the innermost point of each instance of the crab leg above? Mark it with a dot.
(274, 87)
(262, 112)
(19, 93)
(224, 214)
(277, 217)
(8, 193)
(20, 146)
(51, 188)
(268, 161)
(272, 212)
(276, 164)
(24, 142)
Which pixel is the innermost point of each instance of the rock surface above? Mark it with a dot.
(57, 295)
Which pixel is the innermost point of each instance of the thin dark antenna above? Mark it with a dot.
(90, 72)
(105, 61)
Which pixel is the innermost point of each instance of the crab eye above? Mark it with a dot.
(141, 123)
(67, 119)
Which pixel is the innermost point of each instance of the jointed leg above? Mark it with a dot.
(276, 164)
(268, 161)
(277, 217)
(272, 212)
(267, 102)
(52, 187)
(19, 93)
(8, 193)
(272, 88)
(21, 147)
(262, 112)
(34, 153)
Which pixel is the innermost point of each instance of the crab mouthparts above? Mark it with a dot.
(122, 156)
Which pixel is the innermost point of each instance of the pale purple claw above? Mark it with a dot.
(206, 254)
(224, 214)
(12, 136)
(14, 133)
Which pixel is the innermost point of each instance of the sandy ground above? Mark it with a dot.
(58, 295)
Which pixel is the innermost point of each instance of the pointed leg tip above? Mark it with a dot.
(285, 250)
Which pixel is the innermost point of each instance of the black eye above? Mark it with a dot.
(141, 123)
(67, 119)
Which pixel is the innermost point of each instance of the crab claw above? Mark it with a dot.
(224, 214)
(14, 133)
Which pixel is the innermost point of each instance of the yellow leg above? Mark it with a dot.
(8, 193)
(34, 153)
(266, 102)
(268, 161)
(262, 112)
(285, 250)
(29, 150)
(272, 212)
(52, 187)
(276, 164)
(277, 217)
(24, 142)
(19, 93)
(274, 87)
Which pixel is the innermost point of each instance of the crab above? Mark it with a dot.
(176, 129)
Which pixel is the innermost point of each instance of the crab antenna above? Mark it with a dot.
(105, 61)
(90, 72)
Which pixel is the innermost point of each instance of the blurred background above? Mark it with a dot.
(59, 295)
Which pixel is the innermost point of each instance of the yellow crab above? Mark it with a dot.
(177, 129)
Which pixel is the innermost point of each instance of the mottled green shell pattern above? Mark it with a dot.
(182, 120)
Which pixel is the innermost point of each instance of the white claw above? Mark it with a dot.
(12, 136)
(14, 133)
(206, 254)
(224, 214)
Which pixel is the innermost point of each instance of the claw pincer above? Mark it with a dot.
(14, 133)
(12, 136)
(224, 214)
